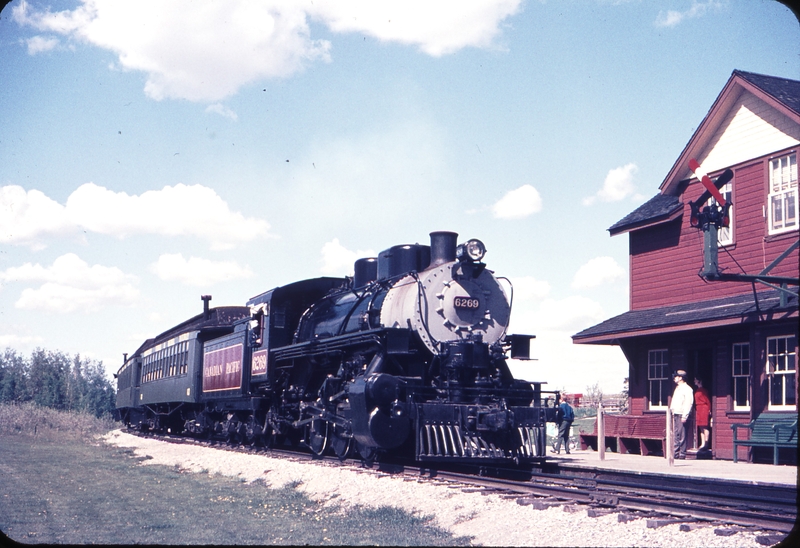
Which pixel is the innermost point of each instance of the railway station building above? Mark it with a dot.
(738, 335)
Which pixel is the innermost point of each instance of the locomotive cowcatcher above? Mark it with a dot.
(408, 356)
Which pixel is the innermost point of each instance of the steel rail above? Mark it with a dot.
(718, 500)
(740, 506)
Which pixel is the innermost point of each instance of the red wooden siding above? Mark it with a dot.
(665, 258)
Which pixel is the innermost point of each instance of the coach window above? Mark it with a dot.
(173, 360)
(781, 366)
(741, 377)
(184, 358)
(658, 379)
(782, 201)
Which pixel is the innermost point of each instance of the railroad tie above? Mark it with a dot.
(770, 540)
(661, 522)
(537, 503)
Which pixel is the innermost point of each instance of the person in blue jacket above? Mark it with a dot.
(564, 418)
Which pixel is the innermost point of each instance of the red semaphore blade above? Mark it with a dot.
(694, 165)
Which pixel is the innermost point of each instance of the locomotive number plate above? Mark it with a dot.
(466, 302)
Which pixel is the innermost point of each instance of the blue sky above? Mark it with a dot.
(155, 151)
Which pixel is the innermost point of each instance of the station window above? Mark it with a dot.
(725, 233)
(741, 376)
(783, 194)
(781, 368)
(658, 379)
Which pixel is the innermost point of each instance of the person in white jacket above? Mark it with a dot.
(681, 406)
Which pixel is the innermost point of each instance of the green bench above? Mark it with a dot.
(769, 429)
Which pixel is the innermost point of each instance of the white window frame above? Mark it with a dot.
(782, 194)
(781, 365)
(740, 371)
(657, 371)
(724, 233)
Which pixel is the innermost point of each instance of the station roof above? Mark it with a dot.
(739, 309)
(658, 209)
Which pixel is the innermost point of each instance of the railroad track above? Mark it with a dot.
(771, 508)
(663, 499)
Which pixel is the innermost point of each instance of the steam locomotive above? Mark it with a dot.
(408, 356)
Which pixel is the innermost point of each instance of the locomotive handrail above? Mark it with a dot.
(510, 302)
(420, 295)
(320, 346)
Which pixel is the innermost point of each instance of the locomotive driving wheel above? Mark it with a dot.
(317, 436)
(366, 453)
(340, 443)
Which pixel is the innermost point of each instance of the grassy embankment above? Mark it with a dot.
(60, 484)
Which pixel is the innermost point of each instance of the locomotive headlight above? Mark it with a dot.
(473, 250)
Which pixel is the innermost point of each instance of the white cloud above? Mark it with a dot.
(560, 363)
(205, 51)
(518, 203)
(71, 285)
(437, 28)
(26, 216)
(671, 18)
(17, 342)
(596, 272)
(196, 271)
(196, 51)
(617, 186)
(222, 110)
(338, 260)
(39, 44)
(173, 211)
(568, 315)
(527, 288)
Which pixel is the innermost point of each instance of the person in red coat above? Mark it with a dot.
(702, 404)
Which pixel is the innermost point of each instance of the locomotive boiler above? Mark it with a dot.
(408, 356)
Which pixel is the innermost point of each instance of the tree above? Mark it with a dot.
(99, 398)
(53, 379)
(12, 376)
(593, 395)
(625, 397)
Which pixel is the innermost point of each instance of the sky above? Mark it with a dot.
(155, 151)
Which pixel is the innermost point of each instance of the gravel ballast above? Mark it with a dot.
(489, 519)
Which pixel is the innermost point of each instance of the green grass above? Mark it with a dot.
(57, 489)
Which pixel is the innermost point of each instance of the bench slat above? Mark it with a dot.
(776, 430)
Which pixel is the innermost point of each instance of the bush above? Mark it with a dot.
(33, 420)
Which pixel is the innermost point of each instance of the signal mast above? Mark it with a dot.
(710, 217)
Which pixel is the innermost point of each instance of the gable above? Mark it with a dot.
(751, 129)
(753, 116)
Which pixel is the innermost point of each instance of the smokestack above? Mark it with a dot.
(443, 247)
(206, 313)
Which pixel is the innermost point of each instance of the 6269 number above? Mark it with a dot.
(466, 302)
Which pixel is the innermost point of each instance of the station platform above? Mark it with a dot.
(713, 469)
